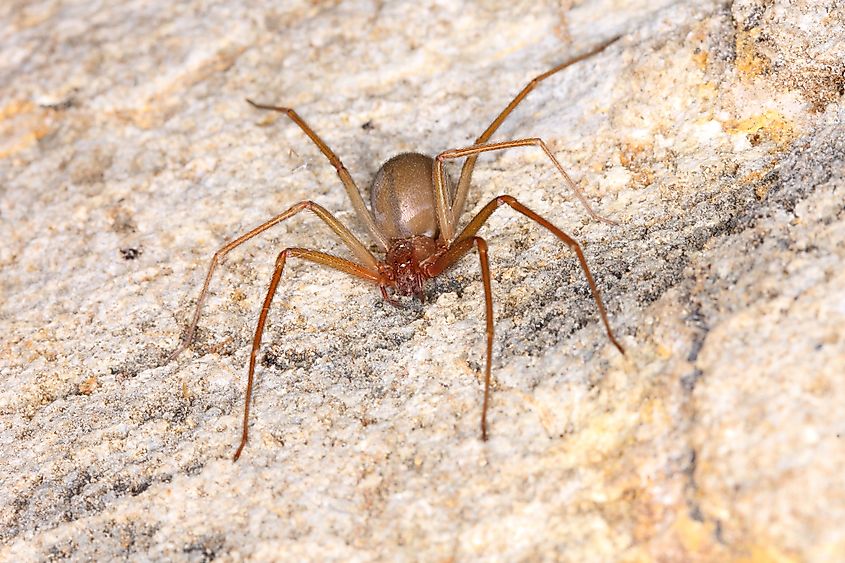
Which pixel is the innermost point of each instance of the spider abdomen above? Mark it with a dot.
(402, 197)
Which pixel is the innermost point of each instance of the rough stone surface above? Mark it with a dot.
(712, 131)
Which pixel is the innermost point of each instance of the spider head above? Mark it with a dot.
(402, 268)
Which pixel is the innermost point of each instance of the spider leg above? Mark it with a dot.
(534, 141)
(455, 252)
(345, 235)
(351, 188)
(321, 258)
(469, 164)
(469, 232)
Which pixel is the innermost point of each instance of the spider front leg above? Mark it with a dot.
(469, 163)
(455, 252)
(481, 218)
(321, 258)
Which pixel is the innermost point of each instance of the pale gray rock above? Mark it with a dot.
(711, 131)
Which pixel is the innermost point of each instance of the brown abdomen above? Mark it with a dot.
(402, 197)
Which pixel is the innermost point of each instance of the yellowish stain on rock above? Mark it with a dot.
(144, 117)
(661, 351)
(765, 554)
(635, 158)
(22, 126)
(700, 58)
(15, 108)
(653, 411)
(749, 61)
(770, 125)
(695, 536)
(761, 190)
(88, 385)
(699, 36)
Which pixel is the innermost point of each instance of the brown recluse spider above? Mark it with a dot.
(413, 218)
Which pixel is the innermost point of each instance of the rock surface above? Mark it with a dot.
(711, 131)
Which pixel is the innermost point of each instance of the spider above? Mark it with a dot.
(413, 217)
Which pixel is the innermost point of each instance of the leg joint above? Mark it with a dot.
(338, 165)
(280, 259)
(505, 199)
(480, 243)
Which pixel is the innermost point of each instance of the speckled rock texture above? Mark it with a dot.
(711, 131)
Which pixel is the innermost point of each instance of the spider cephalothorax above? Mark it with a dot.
(405, 265)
